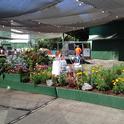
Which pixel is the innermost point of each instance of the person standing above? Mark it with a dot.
(63, 64)
(78, 53)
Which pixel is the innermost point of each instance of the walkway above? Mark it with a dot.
(26, 108)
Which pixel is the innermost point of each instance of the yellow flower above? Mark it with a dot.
(92, 71)
(85, 73)
(116, 80)
(114, 83)
(79, 73)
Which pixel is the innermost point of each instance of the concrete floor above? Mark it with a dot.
(16, 104)
(53, 111)
(72, 112)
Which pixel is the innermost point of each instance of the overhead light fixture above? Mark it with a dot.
(103, 11)
(80, 4)
(16, 31)
(11, 21)
(39, 23)
(116, 17)
(58, 26)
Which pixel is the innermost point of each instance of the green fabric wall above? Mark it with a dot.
(5, 34)
(108, 49)
(20, 45)
(106, 55)
(115, 27)
(112, 48)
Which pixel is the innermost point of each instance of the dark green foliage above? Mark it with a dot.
(48, 43)
(24, 76)
(62, 80)
(2, 66)
(32, 58)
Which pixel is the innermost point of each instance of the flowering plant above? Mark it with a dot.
(101, 78)
(82, 77)
(41, 76)
(118, 85)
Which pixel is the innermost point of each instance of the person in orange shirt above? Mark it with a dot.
(78, 53)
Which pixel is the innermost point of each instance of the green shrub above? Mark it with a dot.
(41, 76)
(81, 78)
(32, 57)
(2, 66)
(62, 80)
(102, 78)
(118, 69)
(36, 79)
(118, 84)
(108, 76)
(100, 83)
(25, 77)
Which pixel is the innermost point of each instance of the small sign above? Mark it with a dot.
(86, 52)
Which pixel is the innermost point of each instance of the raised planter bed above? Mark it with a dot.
(13, 81)
(91, 97)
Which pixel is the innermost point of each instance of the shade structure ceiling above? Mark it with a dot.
(57, 16)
